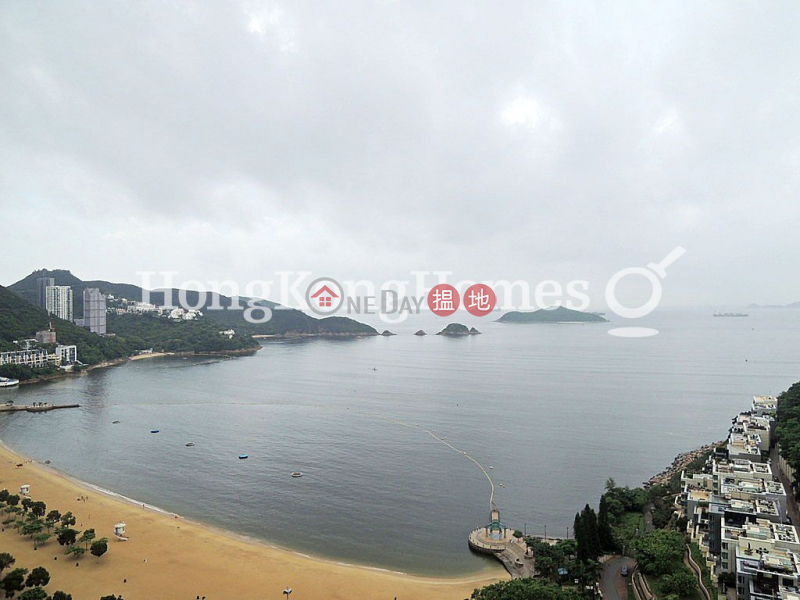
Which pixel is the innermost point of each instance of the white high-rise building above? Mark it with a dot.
(94, 311)
(59, 301)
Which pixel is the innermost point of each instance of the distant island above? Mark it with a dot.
(457, 329)
(792, 305)
(552, 315)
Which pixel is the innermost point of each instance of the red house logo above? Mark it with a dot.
(324, 296)
(327, 296)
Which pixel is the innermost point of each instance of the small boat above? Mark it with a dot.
(116, 422)
(189, 444)
(8, 382)
(155, 431)
(297, 474)
(243, 457)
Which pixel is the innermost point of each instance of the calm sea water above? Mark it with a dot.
(555, 409)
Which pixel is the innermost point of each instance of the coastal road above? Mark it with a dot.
(791, 503)
(613, 585)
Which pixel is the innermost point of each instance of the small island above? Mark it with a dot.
(457, 330)
(421, 332)
(559, 314)
(387, 333)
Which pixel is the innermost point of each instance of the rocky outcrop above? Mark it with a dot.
(457, 330)
(680, 463)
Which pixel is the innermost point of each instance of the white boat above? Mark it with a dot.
(7, 382)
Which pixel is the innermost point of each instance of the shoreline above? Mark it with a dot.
(266, 336)
(126, 359)
(680, 463)
(178, 550)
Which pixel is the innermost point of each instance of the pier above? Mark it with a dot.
(35, 408)
(498, 540)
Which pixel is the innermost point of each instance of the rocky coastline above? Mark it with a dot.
(680, 463)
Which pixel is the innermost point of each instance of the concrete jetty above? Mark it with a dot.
(497, 540)
(35, 408)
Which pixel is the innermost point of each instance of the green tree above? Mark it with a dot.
(592, 533)
(682, 583)
(59, 595)
(580, 537)
(728, 579)
(14, 582)
(38, 509)
(39, 577)
(31, 528)
(86, 538)
(26, 504)
(40, 539)
(66, 536)
(68, 520)
(4, 494)
(53, 517)
(76, 551)
(99, 547)
(605, 532)
(525, 589)
(36, 593)
(6, 560)
(660, 552)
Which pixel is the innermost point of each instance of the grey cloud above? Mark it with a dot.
(536, 139)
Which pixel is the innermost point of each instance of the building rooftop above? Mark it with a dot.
(775, 562)
(730, 484)
(764, 403)
(744, 443)
(741, 468)
(698, 495)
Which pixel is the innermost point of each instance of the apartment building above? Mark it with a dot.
(59, 301)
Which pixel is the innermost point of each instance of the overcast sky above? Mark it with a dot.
(231, 140)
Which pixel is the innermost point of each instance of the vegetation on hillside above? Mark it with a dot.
(26, 373)
(525, 589)
(19, 319)
(787, 431)
(167, 335)
(216, 307)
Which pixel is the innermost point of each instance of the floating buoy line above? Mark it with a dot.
(444, 441)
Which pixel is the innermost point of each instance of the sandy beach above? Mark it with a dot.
(172, 558)
(151, 355)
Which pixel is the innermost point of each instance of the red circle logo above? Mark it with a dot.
(479, 300)
(443, 300)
